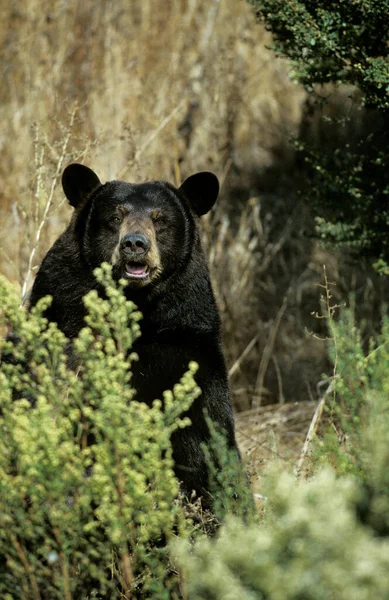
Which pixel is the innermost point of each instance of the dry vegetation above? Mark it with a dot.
(147, 90)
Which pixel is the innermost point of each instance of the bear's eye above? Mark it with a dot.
(156, 216)
(116, 220)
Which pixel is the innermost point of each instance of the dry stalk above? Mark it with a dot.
(39, 153)
(271, 250)
(225, 171)
(258, 444)
(266, 356)
(279, 380)
(209, 27)
(127, 572)
(27, 568)
(126, 562)
(152, 137)
(312, 430)
(50, 198)
(232, 257)
(9, 261)
(245, 353)
(329, 315)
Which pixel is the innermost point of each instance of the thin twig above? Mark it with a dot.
(152, 137)
(312, 429)
(27, 567)
(125, 556)
(210, 24)
(266, 356)
(64, 565)
(279, 380)
(9, 260)
(263, 444)
(225, 171)
(245, 352)
(49, 200)
(329, 314)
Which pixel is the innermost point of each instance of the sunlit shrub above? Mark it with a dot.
(88, 496)
(310, 545)
(325, 537)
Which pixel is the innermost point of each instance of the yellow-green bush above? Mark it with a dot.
(310, 546)
(326, 537)
(357, 443)
(77, 516)
(89, 505)
(88, 496)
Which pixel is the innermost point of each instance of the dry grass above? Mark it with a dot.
(159, 94)
(270, 433)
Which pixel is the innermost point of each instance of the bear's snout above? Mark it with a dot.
(135, 243)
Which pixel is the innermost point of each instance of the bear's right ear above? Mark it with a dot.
(78, 183)
(202, 190)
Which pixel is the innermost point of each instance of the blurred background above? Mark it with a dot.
(147, 90)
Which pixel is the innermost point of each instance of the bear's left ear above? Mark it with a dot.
(201, 190)
(78, 182)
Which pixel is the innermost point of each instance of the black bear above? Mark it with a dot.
(149, 233)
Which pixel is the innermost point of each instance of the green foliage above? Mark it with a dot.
(358, 441)
(342, 43)
(89, 504)
(228, 485)
(326, 537)
(309, 546)
(88, 495)
(349, 189)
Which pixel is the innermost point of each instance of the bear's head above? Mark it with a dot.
(146, 231)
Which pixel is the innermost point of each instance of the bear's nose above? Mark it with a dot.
(134, 243)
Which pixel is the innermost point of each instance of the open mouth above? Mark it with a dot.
(135, 270)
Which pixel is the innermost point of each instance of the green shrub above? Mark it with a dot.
(88, 495)
(342, 43)
(89, 505)
(309, 546)
(228, 483)
(326, 537)
(347, 187)
(357, 442)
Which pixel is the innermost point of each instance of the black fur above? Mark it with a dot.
(180, 318)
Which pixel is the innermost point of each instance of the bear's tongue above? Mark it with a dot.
(136, 270)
